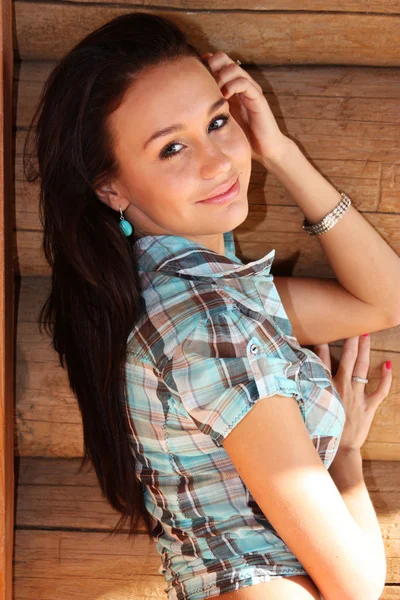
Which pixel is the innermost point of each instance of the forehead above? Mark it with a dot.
(174, 92)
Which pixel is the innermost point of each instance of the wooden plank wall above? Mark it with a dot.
(332, 78)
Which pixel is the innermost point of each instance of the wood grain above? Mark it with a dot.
(358, 6)
(50, 30)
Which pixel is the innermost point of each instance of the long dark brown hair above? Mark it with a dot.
(95, 299)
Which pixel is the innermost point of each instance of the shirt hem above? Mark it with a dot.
(211, 590)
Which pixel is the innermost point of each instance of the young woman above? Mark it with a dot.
(171, 342)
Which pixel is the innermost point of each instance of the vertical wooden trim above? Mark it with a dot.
(6, 306)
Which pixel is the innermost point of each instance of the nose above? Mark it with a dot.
(213, 161)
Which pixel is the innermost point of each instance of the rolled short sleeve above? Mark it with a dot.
(226, 364)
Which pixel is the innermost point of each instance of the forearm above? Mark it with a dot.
(364, 264)
(346, 471)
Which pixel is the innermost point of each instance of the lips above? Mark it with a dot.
(221, 189)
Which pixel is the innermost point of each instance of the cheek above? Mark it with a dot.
(171, 188)
(174, 180)
(162, 180)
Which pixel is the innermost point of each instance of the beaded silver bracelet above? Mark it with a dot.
(330, 219)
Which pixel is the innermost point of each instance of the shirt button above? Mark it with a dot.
(254, 349)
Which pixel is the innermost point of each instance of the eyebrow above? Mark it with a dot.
(179, 127)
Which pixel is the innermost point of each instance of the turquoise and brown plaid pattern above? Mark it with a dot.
(214, 338)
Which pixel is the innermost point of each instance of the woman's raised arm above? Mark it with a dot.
(322, 311)
(364, 264)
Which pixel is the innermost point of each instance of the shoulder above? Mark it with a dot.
(174, 317)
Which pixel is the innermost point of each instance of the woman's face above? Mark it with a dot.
(162, 180)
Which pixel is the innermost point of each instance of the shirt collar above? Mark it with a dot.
(184, 258)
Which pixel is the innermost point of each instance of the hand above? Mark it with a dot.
(248, 107)
(359, 407)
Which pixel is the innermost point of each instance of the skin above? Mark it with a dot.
(160, 196)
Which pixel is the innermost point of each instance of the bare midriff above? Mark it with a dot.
(294, 587)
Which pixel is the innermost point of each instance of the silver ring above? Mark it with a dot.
(238, 62)
(359, 379)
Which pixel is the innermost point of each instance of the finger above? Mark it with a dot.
(244, 87)
(348, 358)
(322, 351)
(220, 60)
(375, 398)
(363, 358)
(231, 70)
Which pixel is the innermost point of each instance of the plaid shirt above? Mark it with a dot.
(213, 339)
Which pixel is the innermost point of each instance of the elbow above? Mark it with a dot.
(389, 314)
(384, 316)
(393, 319)
(381, 590)
(374, 588)
(370, 591)
(376, 594)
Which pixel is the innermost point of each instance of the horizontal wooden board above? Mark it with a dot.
(390, 189)
(359, 6)
(360, 90)
(63, 524)
(54, 494)
(347, 93)
(266, 228)
(49, 30)
(33, 291)
(55, 565)
(48, 421)
(334, 114)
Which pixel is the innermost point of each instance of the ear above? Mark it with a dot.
(111, 196)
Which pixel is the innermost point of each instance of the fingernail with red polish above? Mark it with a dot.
(365, 334)
(388, 364)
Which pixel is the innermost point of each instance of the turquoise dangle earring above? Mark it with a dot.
(124, 225)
